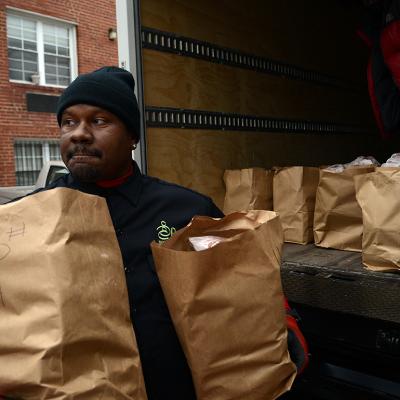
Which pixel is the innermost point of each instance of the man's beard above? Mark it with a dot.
(85, 173)
(81, 171)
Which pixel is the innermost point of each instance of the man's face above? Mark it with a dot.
(95, 144)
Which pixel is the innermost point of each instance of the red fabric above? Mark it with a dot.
(294, 327)
(302, 346)
(115, 182)
(374, 102)
(390, 45)
(287, 307)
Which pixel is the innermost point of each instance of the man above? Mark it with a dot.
(99, 121)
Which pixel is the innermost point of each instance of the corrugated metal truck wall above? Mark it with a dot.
(236, 84)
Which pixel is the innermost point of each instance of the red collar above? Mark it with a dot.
(110, 183)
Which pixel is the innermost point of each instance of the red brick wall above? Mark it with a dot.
(94, 18)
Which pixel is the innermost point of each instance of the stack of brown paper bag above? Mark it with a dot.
(65, 329)
(378, 194)
(338, 218)
(248, 189)
(227, 305)
(294, 191)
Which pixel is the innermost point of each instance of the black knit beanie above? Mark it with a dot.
(111, 88)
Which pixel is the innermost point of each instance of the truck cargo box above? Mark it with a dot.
(263, 83)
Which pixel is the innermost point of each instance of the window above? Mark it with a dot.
(30, 155)
(40, 50)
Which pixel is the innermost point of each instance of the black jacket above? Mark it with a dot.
(144, 209)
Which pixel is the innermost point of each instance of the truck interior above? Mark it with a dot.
(264, 83)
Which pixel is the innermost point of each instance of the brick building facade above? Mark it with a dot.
(44, 44)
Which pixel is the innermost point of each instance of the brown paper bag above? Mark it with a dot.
(337, 217)
(294, 199)
(65, 329)
(378, 195)
(227, 306)
(248, 189)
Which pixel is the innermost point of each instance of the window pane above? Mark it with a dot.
(28, 76)
(13, 21)
(30, 67)
(64, 81)
(63, 72)
(16, 75)
(63, 62)
(15, 64)
(50, 49)
(14, 32)
(29, 45)
(29, 24)
(29, 56)
(62, 32)
(27, 150)
(63, 51)
(30, 35)
(49, 30)
(15, 54)
(14, 43)
(64, 42)
(50, 60)
(54, 150)
(19, 165)
(49, 39)
(50, 69)
(51, 79)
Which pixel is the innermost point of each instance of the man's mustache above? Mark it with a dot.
(83, 151)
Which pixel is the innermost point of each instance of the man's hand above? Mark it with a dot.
(297, 345)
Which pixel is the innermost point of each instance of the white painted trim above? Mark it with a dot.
(32, 84)
(45, 152)
(73, 53)
(38, 15)
(40, 52)
(21, 82)
(126, 36)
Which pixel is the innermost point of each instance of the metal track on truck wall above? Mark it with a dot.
(164, 117)
(185, 46)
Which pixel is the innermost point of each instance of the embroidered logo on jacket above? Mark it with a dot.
(164, 232)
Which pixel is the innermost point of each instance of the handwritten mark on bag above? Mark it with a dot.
(4, 250)
(16, 231)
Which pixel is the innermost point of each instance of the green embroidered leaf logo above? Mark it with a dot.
(164, 232)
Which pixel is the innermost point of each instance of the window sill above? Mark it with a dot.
(36, 85)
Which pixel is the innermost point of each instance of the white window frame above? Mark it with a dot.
(41, 19)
